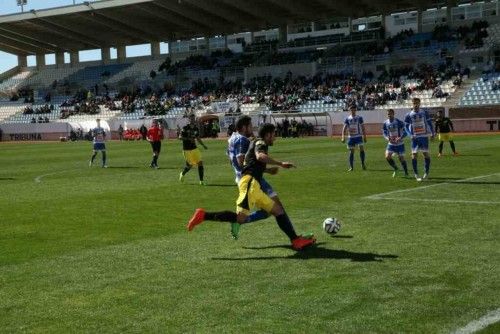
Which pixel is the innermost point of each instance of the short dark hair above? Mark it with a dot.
(243, 121)
(265, 129)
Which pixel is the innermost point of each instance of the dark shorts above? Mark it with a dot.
(99, 147)
(156, 146)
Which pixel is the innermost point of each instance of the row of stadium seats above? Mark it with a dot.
(139, 70)
(482, 92)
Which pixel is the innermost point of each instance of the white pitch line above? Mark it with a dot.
(39, 178)
(483, 322)
(381, 195)
(435, 200)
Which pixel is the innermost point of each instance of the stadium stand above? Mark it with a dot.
(314, 71)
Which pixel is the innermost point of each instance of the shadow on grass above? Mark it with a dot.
(314, 252)
(342, 236)
(6, 178)
(123, 167)
(212, 185)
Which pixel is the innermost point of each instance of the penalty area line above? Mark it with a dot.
(383, 195)
(435, 200)
(481, 323)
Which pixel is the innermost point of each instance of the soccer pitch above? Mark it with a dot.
(106, 250)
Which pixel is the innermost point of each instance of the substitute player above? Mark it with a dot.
(99, 139)
(251, 194)
(444, 129)
(190, 134)
(394, 132)
(355, 128)
(418, 125)
(154, 136)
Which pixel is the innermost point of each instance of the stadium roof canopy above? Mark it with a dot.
(110, 23)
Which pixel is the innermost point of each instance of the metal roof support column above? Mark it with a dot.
(74, 58)
(105, 55)
(60, 59)
(40, 61)
(121, 53)
(419, 21)
(283, 33)
(22, 61)
(155, 50)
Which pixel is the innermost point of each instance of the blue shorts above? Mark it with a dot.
(353, 142)
(99, 147)
(267, 189)
(398, 149)
(420, 144)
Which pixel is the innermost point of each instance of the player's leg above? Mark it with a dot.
(200, 215)
(94, 154)
(263, 214)
(189, 164)
(201, 172)
(427, 164)
(362, 154)
(186, 169)
(263, 201)
(414, 155)
(441, 143)
(402, 160)
(103, 152)
(427, 158)
(351, 158)
(452, 145)
(390, 161)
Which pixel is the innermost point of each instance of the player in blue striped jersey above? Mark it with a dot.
(355, 128)
(99, 135)
(238, 145)
(418, 125)
(394, 132)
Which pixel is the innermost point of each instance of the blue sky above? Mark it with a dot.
(7, 61)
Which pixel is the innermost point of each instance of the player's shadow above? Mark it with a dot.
(123, 167)
(6, 178)
(314, 252)
(220, 185)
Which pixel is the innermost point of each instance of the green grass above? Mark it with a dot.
(106, 250)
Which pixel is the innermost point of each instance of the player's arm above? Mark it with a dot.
(198, 139)
(385, 132)
(343, 132)
(264, 158)
(408, 125)
(429, 123)
(183, 135)
(364, 132)
(451, 125)
(403, 130)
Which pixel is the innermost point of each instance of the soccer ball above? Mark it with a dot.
(331, 225)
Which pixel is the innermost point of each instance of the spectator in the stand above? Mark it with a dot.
(230, 129)
(120, 132)
(33, 120)
(285, 128)
(144, 131)
(495, 85)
